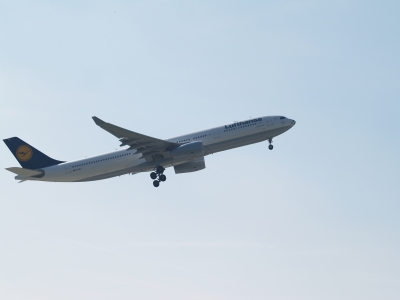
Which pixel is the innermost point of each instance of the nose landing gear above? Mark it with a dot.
(159, 170)
(270, 147)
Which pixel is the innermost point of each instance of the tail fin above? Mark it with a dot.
(29, 157)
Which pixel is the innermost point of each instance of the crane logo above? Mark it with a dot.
(24, 153)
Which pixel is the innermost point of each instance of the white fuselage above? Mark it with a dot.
(128, 161)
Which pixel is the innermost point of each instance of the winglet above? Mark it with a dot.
(98, 121)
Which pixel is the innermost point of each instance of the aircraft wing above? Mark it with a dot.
(142, 143)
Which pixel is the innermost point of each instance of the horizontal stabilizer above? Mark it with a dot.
(24, 172)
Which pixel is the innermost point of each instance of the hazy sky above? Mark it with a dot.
(316, 218)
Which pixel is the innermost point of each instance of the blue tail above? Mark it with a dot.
(29, 157)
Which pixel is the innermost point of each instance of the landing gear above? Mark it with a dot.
(270, 147)
(158, 176)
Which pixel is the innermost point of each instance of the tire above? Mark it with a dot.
(153, 175)
(160, 170)
(156, 183)
(270, 147)
(163, 177)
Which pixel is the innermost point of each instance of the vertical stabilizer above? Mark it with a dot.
(28, 156)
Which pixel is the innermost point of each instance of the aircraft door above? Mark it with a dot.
(216, 133)
(268, 121)
(260, 126)
(67, 168)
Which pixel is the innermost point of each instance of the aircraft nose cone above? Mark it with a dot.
(293, 122)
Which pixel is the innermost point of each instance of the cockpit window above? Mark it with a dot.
(282, 118)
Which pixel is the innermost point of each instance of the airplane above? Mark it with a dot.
(144, 153)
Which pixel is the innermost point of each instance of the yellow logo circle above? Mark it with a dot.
(24, 153)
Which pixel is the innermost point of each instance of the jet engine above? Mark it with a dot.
(188, 151)
(191, 166)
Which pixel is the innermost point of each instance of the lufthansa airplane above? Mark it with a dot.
(144, 153)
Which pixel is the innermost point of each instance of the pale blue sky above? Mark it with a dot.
(316, 218)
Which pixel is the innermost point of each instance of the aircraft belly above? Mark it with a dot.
(137, 166)
(236, 142)
(230, 142)
(55, 174)
(58, 174)
(105, 171)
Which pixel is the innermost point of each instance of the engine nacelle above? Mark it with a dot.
(191, 166)
(188, 151)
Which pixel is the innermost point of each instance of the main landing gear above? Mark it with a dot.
(158, 176)
(270, 147)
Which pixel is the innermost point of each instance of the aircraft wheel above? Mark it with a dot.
(270, 147)
(163, 177)
(153, 175)
(156, 183)
(160, 170)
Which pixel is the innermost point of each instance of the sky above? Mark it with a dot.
(316, 218)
